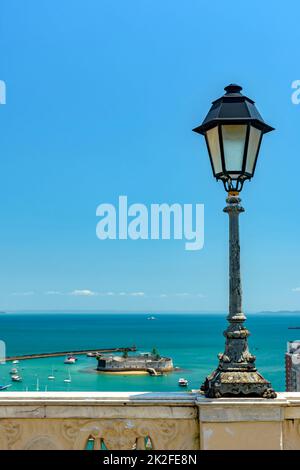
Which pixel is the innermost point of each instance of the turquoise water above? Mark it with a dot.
(193, 341)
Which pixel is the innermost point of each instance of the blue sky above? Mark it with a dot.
(101, 100)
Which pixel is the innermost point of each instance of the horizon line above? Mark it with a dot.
(139, 312)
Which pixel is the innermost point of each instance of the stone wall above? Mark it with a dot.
(75, 420)
(132, 363)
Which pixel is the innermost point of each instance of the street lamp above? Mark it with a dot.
(233, 130)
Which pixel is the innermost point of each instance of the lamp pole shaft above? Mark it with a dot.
(236, 355)
(233, 209)
(236, 374)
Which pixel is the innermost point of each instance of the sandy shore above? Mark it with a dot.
(124, 372)
(88, 370)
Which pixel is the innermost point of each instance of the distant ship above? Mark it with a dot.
(151, 318)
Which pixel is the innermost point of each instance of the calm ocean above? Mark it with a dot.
(192, 340)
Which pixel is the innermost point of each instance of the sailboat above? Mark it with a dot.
(69, 380)
(51, 376)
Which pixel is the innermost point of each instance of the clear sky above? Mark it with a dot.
(101, 99)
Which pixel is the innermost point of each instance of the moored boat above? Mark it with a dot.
(183, 382)
(16, 378)
(70, 360)
(51, 376)
(68, 380)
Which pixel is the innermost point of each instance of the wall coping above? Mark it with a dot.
(142, 398)
(98, 398)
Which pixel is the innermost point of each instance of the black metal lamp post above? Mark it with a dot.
(233, 130)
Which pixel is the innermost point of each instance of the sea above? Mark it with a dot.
(191, 340)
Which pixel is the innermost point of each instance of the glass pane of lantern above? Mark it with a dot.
(234, 137)
(254, 138)
(214, 149)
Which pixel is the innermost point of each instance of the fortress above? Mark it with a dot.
(145, 362)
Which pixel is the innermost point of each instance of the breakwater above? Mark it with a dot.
(67, 353)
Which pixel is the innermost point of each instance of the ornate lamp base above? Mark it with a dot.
(226, 383)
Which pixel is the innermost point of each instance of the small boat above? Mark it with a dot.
(68, 380)
(183, 382)
(70, 360)
(151, 318)
(51, 376)
(13, 371)
(90, 354)
(16, 378)
(15, 362)
(4, 387)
